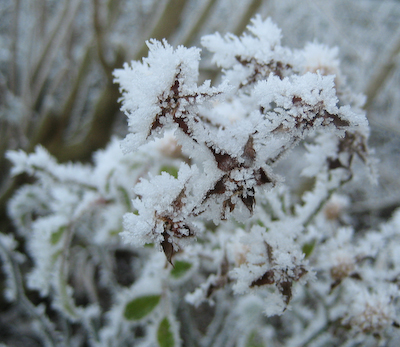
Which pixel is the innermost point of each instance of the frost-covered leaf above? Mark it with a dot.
(308, 248)
(56, 236)
(254, 340)
(141, 306)
(165, 335)
(172, 170)
(180, 268)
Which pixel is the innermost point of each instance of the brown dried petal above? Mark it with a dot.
(249, 153)
(334, 164)
(219, 187)
(249, 202)
(168, 248)
(261, 177)
(225, 162)
(177, 203)
(339, 122)
(267, 278)
(285, 288)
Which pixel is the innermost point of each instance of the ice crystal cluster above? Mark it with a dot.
(220, 219)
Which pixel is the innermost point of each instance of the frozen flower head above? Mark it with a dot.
(253, 56)
(151, 88)
(163, 214)
(275, 106)
(370, 313)
(269, 261)
(335, 207)
(321, 58)
(343, 264)
(339, 246)
(241, 254)
(237, 250)
(263, 39)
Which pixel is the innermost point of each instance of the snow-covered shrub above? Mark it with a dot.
(222, 221)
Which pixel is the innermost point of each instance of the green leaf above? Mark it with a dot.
(261, 224)
(140, 307)
(180, 268)
(308, 248)
(165, 337)
(172, 170)
(254, 340)
(56, 236)
(55, 255)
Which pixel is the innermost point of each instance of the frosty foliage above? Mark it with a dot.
(247, 258)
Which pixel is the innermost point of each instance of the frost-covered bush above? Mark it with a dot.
(222, 221)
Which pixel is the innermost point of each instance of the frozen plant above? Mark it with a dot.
(218, 247)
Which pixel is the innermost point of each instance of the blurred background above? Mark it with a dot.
(57, 58)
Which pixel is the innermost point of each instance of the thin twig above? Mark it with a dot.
(197, 21)
(14, 45)
(99, 34)
(43, 72)
(252, 8)
(383, 72)
(58, 22)
(164, 23)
